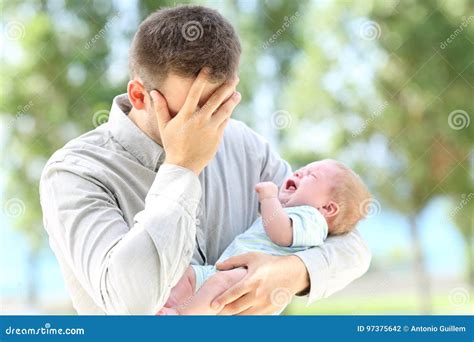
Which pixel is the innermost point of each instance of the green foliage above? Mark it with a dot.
(418, 85)
(381, 104)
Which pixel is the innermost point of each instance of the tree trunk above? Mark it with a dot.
(422, 277)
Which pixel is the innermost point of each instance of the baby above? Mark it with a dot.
(324, 197)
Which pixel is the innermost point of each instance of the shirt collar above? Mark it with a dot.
(132, 138)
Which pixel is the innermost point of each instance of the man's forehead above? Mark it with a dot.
(185, 83)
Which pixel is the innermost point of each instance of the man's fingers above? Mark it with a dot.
(225, 111)
(253, 310)
(195, 92)
(240, 305)
(230, 295)
(232, 262)
(161, 109)
(220, 96)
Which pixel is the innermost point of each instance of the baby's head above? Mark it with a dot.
(330, 187)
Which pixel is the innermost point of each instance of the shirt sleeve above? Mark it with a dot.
(126, 270)
(309, 226)
(335, 264)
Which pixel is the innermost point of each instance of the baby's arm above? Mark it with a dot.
(275, 220)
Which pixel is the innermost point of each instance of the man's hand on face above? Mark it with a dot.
(192, 137)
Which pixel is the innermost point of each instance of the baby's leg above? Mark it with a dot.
(181, 292)
(200, 303)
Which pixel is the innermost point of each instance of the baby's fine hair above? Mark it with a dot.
(353, 198)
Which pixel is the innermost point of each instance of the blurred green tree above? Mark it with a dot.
(399, 110)
(54, 79)
(62, 70)
(337, 82)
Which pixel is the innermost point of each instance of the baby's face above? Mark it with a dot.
(310, 185)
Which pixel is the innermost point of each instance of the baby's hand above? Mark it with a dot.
(266, 190)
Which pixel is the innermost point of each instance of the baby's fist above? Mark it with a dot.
(266, 190)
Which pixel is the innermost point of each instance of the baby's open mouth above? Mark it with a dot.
(290, 185)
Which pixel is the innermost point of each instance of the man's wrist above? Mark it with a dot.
(183, 164)
(300, 282)
(264, 197)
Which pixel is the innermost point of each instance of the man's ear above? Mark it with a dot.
(330, 209)
(136, 94)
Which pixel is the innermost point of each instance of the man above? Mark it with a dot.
(169, 180)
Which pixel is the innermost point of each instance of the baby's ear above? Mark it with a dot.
(330, 209)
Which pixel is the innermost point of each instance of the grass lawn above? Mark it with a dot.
(374, 305)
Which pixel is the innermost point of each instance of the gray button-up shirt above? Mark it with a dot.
(124, 226)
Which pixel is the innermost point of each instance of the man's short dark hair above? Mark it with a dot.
(183, 40)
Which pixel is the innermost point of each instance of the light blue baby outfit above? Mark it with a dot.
(309, 229)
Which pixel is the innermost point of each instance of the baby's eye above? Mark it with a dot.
(314, 176)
